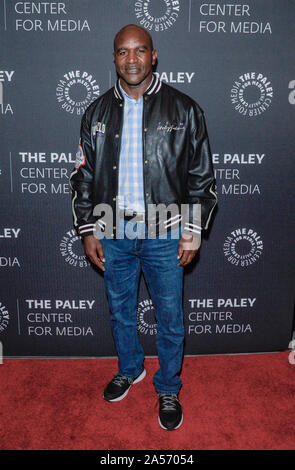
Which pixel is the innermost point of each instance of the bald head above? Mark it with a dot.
(133, 28)
(134, 59)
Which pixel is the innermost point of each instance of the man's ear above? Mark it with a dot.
(154, 57)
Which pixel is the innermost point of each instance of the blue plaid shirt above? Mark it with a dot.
(131, 189)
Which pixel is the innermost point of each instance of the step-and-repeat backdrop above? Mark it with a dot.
(236, 60)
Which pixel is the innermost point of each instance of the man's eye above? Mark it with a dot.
(122, 52)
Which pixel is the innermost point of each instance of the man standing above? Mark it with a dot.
(143, 144)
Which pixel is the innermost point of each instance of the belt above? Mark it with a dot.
(128, 215)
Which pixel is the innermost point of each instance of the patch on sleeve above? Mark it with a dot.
(80, 158)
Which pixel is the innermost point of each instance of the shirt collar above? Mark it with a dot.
(152, 88)
(130, 98)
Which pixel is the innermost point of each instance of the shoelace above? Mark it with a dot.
(169, 402)
(120, 380)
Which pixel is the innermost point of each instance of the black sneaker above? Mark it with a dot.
(170, 412)
(119, 386)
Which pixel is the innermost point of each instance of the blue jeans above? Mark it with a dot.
(157, 257)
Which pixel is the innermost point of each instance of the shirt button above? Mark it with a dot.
(114, 167)
(146, 161)
(121, 105)
(117, 136)
(114, 198)
(147, 194)
(145, 129)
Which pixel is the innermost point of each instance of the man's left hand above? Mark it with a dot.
(187, 248)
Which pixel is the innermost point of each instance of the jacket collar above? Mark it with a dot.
(152, 89)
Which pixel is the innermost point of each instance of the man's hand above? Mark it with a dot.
(93, 249)
(187, 248)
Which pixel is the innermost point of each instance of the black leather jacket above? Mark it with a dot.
(177, 162)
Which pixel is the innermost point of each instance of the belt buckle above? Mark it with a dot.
(135, 216)
(129, 214)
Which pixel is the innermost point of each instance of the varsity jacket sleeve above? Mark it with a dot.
(81, 182)
(201, 185)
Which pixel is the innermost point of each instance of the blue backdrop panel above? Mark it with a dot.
(237, 61)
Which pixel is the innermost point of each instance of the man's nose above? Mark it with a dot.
(132, 57)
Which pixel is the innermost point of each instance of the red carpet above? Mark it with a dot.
(229, 402)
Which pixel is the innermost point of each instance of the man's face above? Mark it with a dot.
(134, 57)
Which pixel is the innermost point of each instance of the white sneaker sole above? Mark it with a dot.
(167, 429)
(138, 379)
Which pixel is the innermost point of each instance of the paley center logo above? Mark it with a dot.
(76, 90)
(4, 317)
(147, 324)
(6, 76)
(292, 93)
(251, 94)
(243, 247)
(175, 77)
(72, 251)
(157, 16)
(8, 233)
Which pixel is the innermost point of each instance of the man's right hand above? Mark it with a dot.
(93, 250)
